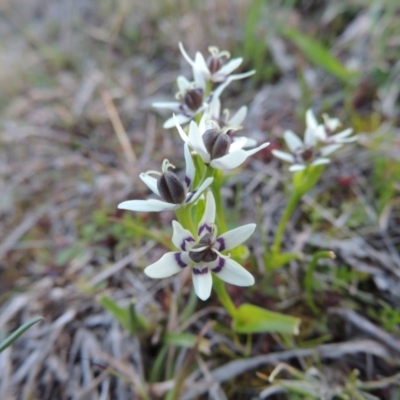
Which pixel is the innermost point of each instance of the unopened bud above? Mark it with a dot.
(194, 98)
(216, 142)
(171, 189)
(214, 64)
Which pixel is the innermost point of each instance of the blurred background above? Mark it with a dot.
(77, 79)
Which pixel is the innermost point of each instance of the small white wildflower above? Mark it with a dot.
(204, 254)
(173, 192)
(215, 146)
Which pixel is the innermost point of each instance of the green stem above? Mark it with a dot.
(308, 279)
(290, 207)
(185, 218)
(216, 189)
(224, 298)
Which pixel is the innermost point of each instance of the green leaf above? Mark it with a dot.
(8, 341)
(279, 260)
(254, 319)
(319, 55)
(133, 322)
(119, 313)
(187, 340)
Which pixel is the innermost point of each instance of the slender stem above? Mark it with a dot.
(224, 298)
(290, 207)
(216, 189)
(308, 279)
(185, 218)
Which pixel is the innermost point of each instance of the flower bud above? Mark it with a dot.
(194, 98)
(216, 142)
(214, 64)
(171, 189)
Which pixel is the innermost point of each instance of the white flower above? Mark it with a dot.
(190, 101)
(216, 148)
(214, 69)
(324, 131)
(204, 254)
(174, 193)
(236, 120)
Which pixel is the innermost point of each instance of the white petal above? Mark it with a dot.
(234, 237)
(234, 159)
(183, 84)
(193, 196)
(321, 161)
(331, 123)
(238, 143)
(283, 156)
(325, 151)
(214, 108)
(196, 141)
(208, 219)
(185, 55)
(297, 167)
(182, 133)
(202, 282)
(310, 138)
(230, 160)
(200, 78)
(233, 273)
(170, 122)
(342, 135)
(201, 65)
(292, 140)
(236, 77)
(181, 236)
(238, 118)
(190, 169)
(151, 182)
(169, 105)
(151, 205)
(229, 67)
(250, 143)
(320, 133)
(311, 121)
(168, 265)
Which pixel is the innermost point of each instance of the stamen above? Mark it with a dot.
(230, 129)
(152, 172)
(165, 165)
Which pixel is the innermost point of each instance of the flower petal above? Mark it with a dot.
(228, 68)
(181, 236)
(183, 84)
(180, 118)
(150, 182)
(207, 221)
(321, 161)
(232, 272)
(169, 264)
(292, 140)
(238, 118)
(182, 133)
(196, 141)
(193, 196)
(297, 167)
(169, 105)
(234, 237)
(185, 55)
(243, 75)
(325, 151)
(283, 156)
(202, 281)
(151, 205)
(238, 143)
(190, 169)
(342, 135)
(214, 108)
(311, 121)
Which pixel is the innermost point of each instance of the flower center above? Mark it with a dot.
(193, 98)
(203, 251)
(216, 142)
(307, 154)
